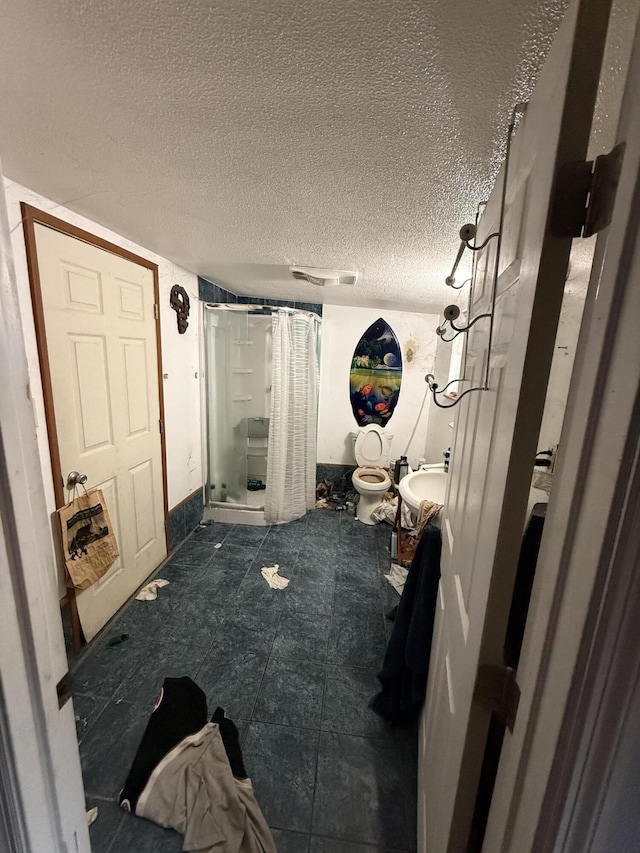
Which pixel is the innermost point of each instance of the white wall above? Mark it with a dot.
(180, 353)
(342, 328)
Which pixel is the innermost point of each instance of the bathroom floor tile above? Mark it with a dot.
(101, 672)
(245, 534)
(249, 630)
(291, 694)
(357, 640)
(281, 761)
(237, 558)
(290, 842)
(232, 680)
(141, 620)
(168, 657)
(107, 751)
(347, 692)
(256, 594)
(349, 600)
(87, 709)
(194, 620)
(213, 533)
(284, 539)
(216, 586)
(309, 595)
(104, 828)
(194, 553)
(302, 636)
(359, 794)
(331, 845)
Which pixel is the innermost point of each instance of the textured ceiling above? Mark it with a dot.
(236, 138)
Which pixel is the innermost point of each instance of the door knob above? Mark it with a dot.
(76, 479)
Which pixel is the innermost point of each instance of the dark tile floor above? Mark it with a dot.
(294, 668)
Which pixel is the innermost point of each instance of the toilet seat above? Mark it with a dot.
(372, 476)
(372, 447)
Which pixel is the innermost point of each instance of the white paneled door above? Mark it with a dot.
(497, 429)
(103, 361)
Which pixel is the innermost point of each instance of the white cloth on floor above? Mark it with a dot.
(397, 577)
(150, 591)
(275, 581)
(386, 511)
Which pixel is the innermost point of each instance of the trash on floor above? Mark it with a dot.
(150, 591)
(336, 496)
(387, 511)
(92, 815)
(117, 641)
(275, 581)
(218, 545)
(189, 774)
(397, 577)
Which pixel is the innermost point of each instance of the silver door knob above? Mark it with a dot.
(76, 479)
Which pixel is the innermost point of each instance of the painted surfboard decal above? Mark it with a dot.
(376, 375)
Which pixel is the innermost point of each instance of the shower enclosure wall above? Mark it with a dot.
(238, 391)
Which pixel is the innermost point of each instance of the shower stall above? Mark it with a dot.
(256, 409)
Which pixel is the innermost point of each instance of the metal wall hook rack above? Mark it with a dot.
(452, 312)
(433, 387)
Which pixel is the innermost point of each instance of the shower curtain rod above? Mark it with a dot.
(260, 309)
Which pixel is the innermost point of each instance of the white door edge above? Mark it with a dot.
(586, 522)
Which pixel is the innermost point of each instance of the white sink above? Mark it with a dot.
(428, 484)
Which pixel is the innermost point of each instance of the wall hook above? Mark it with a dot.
(433, 387)
(467, 233)
(451, 313)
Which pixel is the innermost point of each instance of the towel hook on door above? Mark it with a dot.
(452, 312)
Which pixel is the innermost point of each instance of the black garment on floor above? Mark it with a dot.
(403, 676)
(182, 711)
(231, 741)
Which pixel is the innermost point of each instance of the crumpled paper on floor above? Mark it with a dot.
(150, 591)
(275, 581)
(397, 577)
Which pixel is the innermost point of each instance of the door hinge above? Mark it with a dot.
(63, 689)
(585, 193)
(497, 690)
(160, 426)
(156, 313)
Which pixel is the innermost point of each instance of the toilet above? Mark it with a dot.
(372, 447)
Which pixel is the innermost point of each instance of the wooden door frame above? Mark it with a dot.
(45, 808)
(32, 216)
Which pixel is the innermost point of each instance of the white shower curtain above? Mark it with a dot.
(291, 464)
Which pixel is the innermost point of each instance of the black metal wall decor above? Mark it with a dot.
(179, 301)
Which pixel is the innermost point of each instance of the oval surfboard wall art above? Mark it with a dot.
(376, 374)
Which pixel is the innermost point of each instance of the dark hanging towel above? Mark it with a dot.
(403, 676)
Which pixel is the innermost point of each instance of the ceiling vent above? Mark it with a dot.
(324, 278)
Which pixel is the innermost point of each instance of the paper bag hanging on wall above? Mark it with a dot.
(88, 543)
